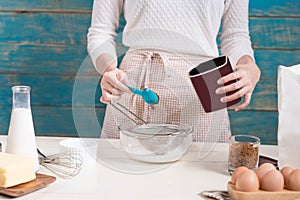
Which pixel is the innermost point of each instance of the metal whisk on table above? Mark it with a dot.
(65, 165)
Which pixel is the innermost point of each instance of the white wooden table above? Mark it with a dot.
(115, 176)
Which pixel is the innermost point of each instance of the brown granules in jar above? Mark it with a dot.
(243, 154)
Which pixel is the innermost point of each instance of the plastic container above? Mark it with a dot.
(86, 147)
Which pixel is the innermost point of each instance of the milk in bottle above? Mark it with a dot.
(21, 134)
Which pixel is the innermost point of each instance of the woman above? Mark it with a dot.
(172, 35)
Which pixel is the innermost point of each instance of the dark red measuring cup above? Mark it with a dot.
(204, 78)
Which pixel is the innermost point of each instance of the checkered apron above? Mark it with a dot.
(167, 74)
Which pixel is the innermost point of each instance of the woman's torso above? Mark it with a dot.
(184, 26)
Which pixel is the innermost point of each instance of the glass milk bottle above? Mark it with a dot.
(21, 135)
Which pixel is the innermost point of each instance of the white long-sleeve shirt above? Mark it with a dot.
(181, 26)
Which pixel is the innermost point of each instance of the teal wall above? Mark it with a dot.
(43, 45)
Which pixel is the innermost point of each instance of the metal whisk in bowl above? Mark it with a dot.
(65, 165)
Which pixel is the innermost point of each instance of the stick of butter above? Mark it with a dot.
(15, 169)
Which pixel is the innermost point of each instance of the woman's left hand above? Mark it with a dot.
(247, 75)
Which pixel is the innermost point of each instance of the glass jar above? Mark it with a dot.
(21, 134)
(243, 151)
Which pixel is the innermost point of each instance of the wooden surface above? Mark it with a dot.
(262, 195)
(41, 181)
(43, 44)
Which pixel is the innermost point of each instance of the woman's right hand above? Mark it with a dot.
(112, 85)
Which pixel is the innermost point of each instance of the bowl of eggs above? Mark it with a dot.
(265, 183)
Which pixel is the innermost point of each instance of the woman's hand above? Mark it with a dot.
(247, 73)
(112, 84)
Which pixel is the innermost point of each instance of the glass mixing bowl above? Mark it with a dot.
(155, 143)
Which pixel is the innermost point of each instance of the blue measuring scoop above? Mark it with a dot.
(148, 95)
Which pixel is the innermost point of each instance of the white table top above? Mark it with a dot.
(104, 179)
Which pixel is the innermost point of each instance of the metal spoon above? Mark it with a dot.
(148, 95)
(217, 194)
